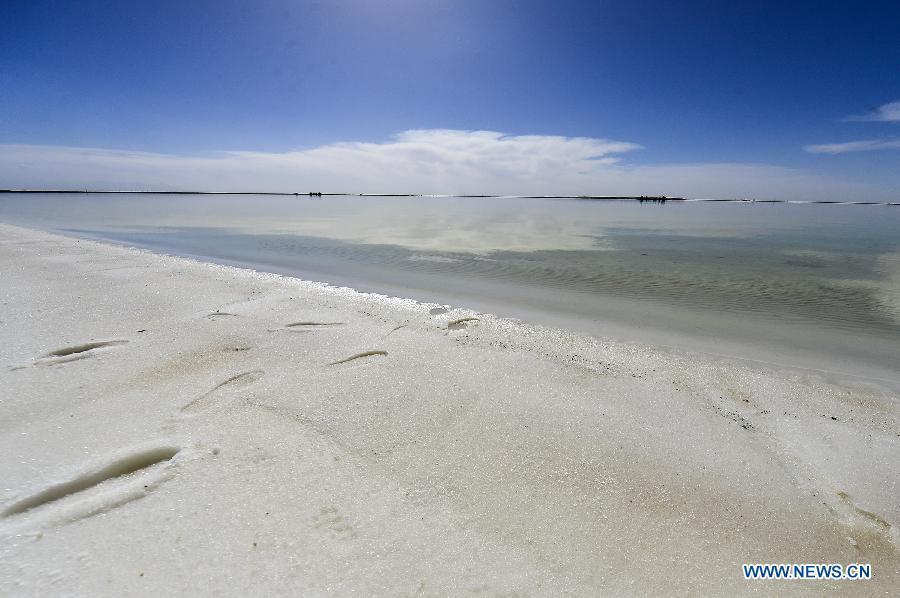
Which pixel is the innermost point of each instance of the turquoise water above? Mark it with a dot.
(812, 286)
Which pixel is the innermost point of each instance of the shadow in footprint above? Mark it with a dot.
(236, 381)
(118, 468)
(359, 356)
(221, 314)
(74, 352)
(460, 323)
(872, 518)
(393, 330)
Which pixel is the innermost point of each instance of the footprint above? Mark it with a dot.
(876, 520)
(75, 352)
(460, 323)
(221, 314)
(117, 468)
(359, 356)
(393, 330)
(332, 519)
(236, 381)
(436, 311)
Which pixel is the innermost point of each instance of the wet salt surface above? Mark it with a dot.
(811, 286)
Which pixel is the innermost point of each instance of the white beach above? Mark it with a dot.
(222, 442)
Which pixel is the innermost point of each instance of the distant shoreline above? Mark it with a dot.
(639, 198)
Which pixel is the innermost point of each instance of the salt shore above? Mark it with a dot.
(179, 428)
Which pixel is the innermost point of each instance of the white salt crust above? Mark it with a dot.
(179, 428)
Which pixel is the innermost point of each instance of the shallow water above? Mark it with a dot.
(812, 286)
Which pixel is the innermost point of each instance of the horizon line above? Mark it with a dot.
(639, 198)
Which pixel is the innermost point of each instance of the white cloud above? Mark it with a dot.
(886, 113)
(853, 146)
(889, 112)
(421, 161)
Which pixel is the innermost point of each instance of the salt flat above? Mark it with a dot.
(174, 427)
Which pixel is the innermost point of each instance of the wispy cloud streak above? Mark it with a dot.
(889, 112)
(866, 145)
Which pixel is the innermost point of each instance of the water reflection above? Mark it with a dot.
(817, 278)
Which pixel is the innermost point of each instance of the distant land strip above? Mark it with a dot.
(639, 198)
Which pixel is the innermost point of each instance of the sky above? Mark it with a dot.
(773, 100)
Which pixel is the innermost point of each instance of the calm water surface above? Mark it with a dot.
(813, 286)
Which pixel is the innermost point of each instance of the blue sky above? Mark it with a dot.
(694, 84)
